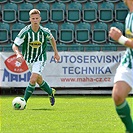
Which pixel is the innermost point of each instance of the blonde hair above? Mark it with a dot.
(34, 11)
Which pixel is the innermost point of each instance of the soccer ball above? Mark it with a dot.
(19, 103)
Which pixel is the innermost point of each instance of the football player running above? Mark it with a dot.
(123, 80)
(33, 39)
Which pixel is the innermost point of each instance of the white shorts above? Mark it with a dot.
(124, 74)
(36, 67)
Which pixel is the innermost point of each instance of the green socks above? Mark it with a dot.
(28, 92)
(123, 111)
(44, 86)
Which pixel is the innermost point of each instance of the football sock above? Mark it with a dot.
(123, 111)
(44, 86)
(28, 92)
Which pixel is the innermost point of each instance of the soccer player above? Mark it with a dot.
(33, 39)
(123, 80)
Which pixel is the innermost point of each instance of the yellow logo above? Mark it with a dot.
(129, 34)
(35, 44)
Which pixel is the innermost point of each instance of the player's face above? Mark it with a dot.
(35, 19)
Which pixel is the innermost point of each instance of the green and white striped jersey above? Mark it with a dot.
(33, 43)
(127, 59)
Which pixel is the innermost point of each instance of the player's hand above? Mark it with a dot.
(56, 57)
(115, 33)
(20, 58)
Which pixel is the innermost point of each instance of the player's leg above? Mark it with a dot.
(44, 86)
(120, 92)
(31, 87)
(38, 68)
(33, 79)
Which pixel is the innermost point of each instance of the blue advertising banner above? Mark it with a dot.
(75, 69)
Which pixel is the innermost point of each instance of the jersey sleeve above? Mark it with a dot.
(20, 37)
(49, 34)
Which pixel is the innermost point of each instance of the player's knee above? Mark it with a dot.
(39, 80)
(34, 78)
(33, 81)
(117, 97)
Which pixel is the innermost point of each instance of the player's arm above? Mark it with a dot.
(116, 35)
(53, 43)
(17, 52)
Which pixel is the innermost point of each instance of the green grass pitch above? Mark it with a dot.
(71, 114)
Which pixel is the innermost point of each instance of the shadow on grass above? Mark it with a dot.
(43, 109)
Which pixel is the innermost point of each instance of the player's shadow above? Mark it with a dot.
(43, 109)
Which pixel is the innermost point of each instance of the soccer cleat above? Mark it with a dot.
(51, 97)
